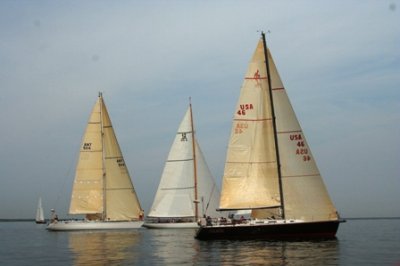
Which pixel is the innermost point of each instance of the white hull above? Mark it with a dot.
(92, 225)
(170, 225)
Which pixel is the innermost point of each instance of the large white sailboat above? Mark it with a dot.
(39, 213)
(187, 189)
(102, 189)
(269, 167)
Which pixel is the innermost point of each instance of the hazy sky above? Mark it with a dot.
(339, 62)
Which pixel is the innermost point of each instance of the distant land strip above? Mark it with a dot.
(17, 220)
(346, 218)
(371, 218)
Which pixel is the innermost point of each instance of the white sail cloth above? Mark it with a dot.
(175, 195)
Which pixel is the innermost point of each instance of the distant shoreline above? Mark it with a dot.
(372, 218)
(346, 218)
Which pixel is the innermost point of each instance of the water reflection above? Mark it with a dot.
(269, 252)
(103, 247)
(172, 246)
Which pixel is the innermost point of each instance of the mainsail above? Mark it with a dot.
(39, 212)
(103, 188)
(251, 175)
(184, 185)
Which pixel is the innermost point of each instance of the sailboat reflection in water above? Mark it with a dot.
(104, 247)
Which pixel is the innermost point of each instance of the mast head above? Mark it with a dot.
(100, 94)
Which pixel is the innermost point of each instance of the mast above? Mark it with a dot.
(278, 161)
(104, 215)
(196, 201)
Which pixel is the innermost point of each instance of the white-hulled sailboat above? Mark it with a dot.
(39, 213)
(102, 190)
(187, 189)
(269, 167)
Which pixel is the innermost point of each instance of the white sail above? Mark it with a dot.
(251, 171)
(39, 212)
(103, 188)
(175, 196)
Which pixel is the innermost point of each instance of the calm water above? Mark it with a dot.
(359, 242)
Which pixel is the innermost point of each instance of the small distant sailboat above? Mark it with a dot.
(39, 213)
(102, 190)
(269, 168)
(187, 189)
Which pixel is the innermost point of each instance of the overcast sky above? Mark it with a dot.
(339, 62)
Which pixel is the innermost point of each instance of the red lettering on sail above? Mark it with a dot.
(240, 127)
(302, 151)
(300, 144)
(244, 107)
(295, 137)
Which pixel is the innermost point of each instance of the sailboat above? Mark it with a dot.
(102, 189)
(39, 213)
(269, 168)
(187, 189)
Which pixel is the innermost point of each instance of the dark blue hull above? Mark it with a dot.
(303, 230)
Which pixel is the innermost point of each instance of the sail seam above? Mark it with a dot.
(263, 119)
(182, 160)
(277, 89)
(253, 162)
(300, 175)
(180, 132)
(113, 157)
(287, 132)
(177, 188)
(119, 188)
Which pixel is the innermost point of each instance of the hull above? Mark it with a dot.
(92, 225)
(40, 221)
(295, 230)
(170, 225)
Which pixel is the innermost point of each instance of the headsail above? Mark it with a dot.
(251, 172)
(175, 196)
(102, 185)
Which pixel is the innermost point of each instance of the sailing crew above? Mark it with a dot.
(53, 216)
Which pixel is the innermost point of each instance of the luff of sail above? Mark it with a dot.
(102, 187)
(175, 197)
(251, 171)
